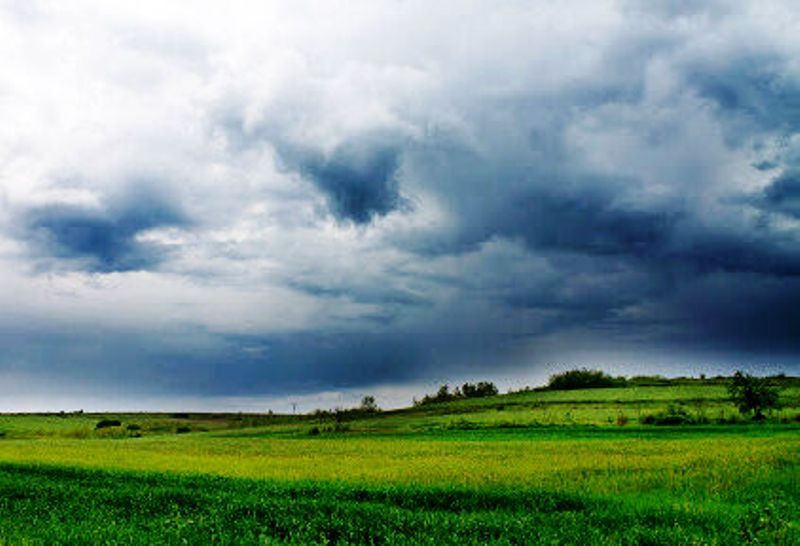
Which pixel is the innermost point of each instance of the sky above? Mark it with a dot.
(241, 205)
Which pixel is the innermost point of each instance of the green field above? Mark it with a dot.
(532, 467)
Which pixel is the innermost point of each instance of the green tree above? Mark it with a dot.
(368, 404)
(752, 395)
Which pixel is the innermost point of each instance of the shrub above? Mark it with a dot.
(725, 419)
(335, 428)
(183, 430)
(321, 414)
(622, 420)
(674, 415)
(105, 423)
(649, 381)
(583, 379)
(462, 424)
(134, 426)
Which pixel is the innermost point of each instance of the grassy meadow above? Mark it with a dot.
(555, 467)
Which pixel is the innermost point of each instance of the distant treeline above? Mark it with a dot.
(584, 378)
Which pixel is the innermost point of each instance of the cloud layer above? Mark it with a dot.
(294, 198)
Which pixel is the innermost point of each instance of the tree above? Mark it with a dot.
(752, 395)
(368, 404)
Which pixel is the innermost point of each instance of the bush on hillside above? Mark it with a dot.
(584, 379)
(674, 415)
(480, 389)
(105, 423)
(368, 406)
(650, 381)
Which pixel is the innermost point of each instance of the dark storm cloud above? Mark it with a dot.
(524, 181)
(101, 240)
(746, 311)
(783, 194)
(590, 216)
(584, 222)
(197, 362)
(359, 179)
(748, 252)
(758, 87)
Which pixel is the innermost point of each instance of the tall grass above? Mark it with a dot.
(52, 505)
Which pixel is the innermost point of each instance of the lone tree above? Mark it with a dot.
(368, 404)
(752, 395)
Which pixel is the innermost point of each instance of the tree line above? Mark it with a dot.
(467, 390)
(752, 395)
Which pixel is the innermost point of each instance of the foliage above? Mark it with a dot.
(584, 379)
(650, 380)
(481, 389)
(752, 395)
(369, 405)
(674, 415)
(478, 390)
(105, 423)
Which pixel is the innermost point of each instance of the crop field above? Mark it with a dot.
(525, 468)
